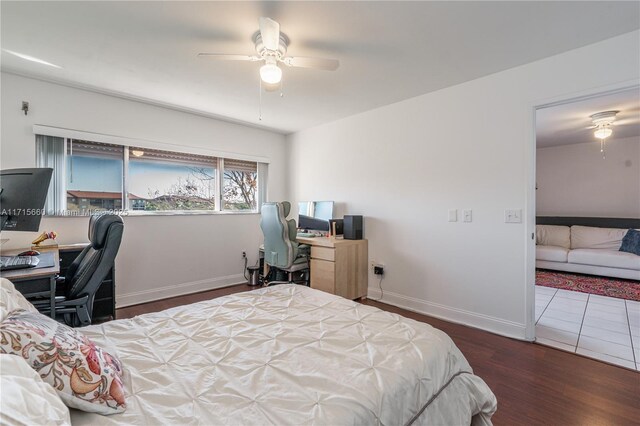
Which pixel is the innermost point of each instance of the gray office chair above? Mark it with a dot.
(88, 270)
(281, 250)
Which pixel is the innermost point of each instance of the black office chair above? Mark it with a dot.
(88, 270)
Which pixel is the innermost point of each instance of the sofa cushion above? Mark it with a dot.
(631, 242)
(553, 235)
(608, 258)
(551, 253)
(589, 237)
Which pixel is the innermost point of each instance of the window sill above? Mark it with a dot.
(166, 213)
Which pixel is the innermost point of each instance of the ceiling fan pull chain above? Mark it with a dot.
(282, 88)
(604, 154)
(260, 101)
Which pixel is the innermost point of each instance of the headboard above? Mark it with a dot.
(600, 222)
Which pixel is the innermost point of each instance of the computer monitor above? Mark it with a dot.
(323, 210)
(315, 215)
(305, 208)
(22, 196)
(312, 224)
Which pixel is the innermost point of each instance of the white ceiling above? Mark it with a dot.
(388, 51)
(569, 123)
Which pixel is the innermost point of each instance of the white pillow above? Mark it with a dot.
(26, 399)
(553, 235)
(589, 237)
(11, 299)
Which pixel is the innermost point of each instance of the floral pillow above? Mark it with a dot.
(84, 376)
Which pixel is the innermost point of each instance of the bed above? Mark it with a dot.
(288, 354)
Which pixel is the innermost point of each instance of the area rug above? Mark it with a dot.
(612, 287)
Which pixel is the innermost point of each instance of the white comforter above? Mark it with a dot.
(288, 355)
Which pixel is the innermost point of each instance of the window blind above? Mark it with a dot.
(145, 154)
(94, 149)
(240, 166)
(50, 153)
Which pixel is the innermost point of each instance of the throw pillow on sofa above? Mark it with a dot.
(631, 242)
(84, 376)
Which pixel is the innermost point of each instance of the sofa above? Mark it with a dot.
(585, 250)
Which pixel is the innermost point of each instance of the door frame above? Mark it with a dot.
(530, 202)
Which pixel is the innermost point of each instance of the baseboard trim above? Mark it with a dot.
(158, 293)
(459, 316)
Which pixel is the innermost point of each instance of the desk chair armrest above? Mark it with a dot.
(45, 302)
(73, 302)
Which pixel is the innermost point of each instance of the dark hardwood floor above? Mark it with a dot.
(534, 384)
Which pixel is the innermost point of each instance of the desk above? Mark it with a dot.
(41, 282)
(35, 282)
(339, 266)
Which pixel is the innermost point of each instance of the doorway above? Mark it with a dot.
(586, 198)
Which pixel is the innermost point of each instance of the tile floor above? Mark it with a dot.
(604, 328)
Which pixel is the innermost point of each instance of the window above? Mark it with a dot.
(161, 180)
(91, 176)
(240, 185)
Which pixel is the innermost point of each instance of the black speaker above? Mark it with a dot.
(353, 227)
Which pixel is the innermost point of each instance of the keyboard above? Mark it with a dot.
(307, 234)
(8, 263)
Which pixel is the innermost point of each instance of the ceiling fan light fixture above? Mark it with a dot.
(270, 73)
(603, 132)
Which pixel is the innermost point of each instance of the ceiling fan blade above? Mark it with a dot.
(317, 63)
(270, 32)
(225, 57)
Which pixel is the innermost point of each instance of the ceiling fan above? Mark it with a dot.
(271, 46)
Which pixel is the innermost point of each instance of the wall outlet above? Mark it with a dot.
(467, 215)
(244, 254)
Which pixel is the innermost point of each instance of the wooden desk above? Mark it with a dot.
(339, 266)
(35, 282)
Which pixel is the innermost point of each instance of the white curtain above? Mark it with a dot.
(263, 177)
(50, 153)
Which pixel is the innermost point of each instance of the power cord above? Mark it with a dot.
(244, 272)
(381, 290)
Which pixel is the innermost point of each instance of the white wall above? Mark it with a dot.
(467, 147)
(160, 256)
(574, 180)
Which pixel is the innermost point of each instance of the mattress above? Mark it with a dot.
(288, 354)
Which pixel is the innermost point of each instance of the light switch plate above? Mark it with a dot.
(468, 215)
(453, 215)
(513, 216)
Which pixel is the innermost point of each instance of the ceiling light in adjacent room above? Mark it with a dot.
(137, 153)
(602, 121)
(603, 132)
(31, 58)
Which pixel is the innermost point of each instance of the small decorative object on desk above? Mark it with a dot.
(44, 237)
